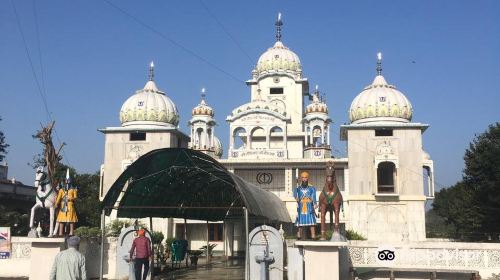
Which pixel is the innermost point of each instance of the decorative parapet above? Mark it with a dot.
(483, 257)
(20, 249)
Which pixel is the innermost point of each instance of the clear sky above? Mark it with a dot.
(90, 56)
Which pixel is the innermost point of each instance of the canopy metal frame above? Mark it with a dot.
(188, 184)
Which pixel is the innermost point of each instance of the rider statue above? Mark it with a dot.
(66, 203)
(305, 195)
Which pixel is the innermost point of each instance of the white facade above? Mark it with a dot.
(283, 130)
(148, 122)
(386, 165)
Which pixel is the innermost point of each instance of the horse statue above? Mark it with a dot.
(45, 197)
(330, 200)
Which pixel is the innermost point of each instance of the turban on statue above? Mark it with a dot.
(304, 174)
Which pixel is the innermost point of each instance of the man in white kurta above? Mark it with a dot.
(69, 264)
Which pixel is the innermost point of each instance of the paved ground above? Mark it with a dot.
(219, 269)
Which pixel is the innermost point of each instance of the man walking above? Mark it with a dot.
(69, 264)
(142, 247)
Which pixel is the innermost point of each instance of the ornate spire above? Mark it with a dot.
(278, 24)
(379, 64)
(316, 97)
(151, 71)
(203, 95)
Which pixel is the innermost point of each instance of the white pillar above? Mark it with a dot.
(328, 135)
(268, 136)
(306, 135)
(231, 139)
(323, 135)
(212, 143)
(249, 138)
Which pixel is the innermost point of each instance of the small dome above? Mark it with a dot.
(149, 106)
(278, 58)
(218, 147)
(317, 105)
(203, 109)
(380, 102)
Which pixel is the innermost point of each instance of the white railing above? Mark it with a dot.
(483, 257)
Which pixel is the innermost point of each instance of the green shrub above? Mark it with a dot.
(210, 249)
(88, 232)
(353, 235)
(157, 237)
(115, 226)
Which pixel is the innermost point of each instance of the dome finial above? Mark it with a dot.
(316, 97)
(151, 71)
(203, 95)
(278, 24)
(379, 64)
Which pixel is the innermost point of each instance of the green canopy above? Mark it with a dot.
(184, 183)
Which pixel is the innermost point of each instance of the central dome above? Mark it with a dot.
(278, 58)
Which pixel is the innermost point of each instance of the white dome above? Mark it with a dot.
(218, 147)
(380, 102)
(149, 106)
(203, 109)
(278, 58)
(316, 106)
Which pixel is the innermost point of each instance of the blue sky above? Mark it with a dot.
(444, 55)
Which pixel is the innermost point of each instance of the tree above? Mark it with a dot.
(51, 157)
(456, 206)
(88, 203)
(482, 174)
(3, 145)
(472, 205)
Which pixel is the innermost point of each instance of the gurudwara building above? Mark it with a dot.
(284, 129)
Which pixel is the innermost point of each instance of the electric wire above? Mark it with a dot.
(225, 30)
(173, 42)
(40, 85)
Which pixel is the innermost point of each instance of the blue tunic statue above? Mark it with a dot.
(306, 200)
(305, 196)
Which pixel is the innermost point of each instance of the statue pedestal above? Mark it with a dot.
(321, 259)
(43, 252)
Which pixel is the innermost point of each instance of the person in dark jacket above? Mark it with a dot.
(142, 247)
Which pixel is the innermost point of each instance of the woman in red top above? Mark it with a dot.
(142, 248)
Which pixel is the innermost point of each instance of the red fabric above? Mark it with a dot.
(142, 248)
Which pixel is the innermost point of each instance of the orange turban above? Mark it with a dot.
(141, 232)
(304, 174)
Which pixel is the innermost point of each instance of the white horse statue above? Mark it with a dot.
(45, 197)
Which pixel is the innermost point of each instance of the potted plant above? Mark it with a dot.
(208, 252)
(194, 255)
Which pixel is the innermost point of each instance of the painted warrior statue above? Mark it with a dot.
(305, 195)
(66, 204)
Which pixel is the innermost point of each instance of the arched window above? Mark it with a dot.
(317, 136)
(258, 138)
(276, 138)
(386, 177)
(426, 176)
(199, 140)
(239, 138)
